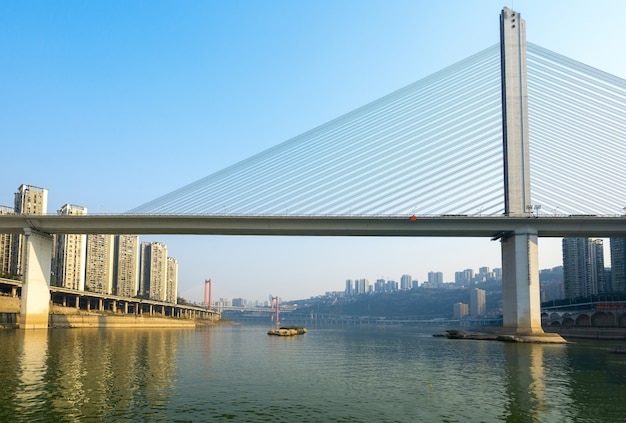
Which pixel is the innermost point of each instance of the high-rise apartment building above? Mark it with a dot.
(583, 267)
(29, 199)
(484, 275)
(172, 280)
(435, 279)
(362, 286)
(379, 285)
(348, 290)
(125, 265)
(69, 255)
(468, 274)
(497, 273)
(405, 282)
(99, 263)
(551, 290)
(6, 246)
(153, 271)
(460, 310)
(618, 265)
(478, 302)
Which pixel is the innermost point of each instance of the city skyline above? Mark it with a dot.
(101, 263)
(174, 93)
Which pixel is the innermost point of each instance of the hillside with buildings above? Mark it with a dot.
(420, 303)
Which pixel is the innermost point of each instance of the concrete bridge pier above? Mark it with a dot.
(521, 298)
(35, 307)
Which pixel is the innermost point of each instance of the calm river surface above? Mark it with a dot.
(342, 374)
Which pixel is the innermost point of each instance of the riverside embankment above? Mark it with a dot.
(70, 317)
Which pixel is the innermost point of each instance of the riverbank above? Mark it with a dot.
(70, 317)
(589, 332)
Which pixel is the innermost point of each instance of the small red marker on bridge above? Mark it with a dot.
(413, 217)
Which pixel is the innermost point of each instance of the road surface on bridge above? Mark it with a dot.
(388, 226)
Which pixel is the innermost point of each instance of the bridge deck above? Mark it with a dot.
(389, 226)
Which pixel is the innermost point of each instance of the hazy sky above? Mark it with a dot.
(110, 104)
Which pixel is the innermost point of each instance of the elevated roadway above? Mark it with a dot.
(388, 226)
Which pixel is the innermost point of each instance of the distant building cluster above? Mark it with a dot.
(106, 264)
(476, 308)
(581, 277)
(584, 274)
(224, 303)
(466, 278)
(363, 286)
(239, 302)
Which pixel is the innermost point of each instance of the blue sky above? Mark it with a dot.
(110, 104)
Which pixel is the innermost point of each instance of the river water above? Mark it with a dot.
(342, 374)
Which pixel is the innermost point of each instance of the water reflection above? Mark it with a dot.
(337, 374)
(32, 367)
(78, 375)
(534, 387)
(598, 381)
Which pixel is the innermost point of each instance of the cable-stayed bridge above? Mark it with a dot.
(514, 142)
(435, 148)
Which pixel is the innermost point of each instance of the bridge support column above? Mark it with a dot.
(521, 299)
(35, 303)
(521, 305)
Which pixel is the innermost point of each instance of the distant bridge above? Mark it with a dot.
(592, 320)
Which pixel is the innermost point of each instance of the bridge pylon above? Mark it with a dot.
(521, 300)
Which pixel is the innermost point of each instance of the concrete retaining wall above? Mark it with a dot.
(8, 320)
(588, 332)
(70, 317)
(12, 320)
(103, 321)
